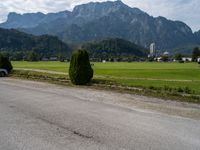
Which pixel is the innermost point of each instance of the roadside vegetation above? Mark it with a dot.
(5, 63)
(80, 70)
(167, 80)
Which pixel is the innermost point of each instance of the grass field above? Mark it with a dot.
(143, 74)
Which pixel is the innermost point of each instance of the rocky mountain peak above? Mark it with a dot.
(97, 9)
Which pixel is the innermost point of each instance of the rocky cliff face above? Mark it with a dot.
(31, 20)
(197, 36)
(23, 21)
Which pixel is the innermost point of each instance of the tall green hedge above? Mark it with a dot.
(80, 70)
(5, 63)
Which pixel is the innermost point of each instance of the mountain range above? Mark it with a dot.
(97, 21)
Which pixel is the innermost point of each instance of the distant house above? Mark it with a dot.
(103, 61)
(45, 59)
(187, 59)
(166, 53)
(53, 58)
(159, 59)
(198, 60)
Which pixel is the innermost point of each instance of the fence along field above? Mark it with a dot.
(183, 78)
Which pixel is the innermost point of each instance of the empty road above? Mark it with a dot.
(42, 116)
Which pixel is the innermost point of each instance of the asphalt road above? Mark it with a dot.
(41, 116)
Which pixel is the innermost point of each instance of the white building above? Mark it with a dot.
(159, 59)
(152, 50)
(198, 60)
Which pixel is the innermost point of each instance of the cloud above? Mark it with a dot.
(183, 10)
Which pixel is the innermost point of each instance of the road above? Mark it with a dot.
(41, 116)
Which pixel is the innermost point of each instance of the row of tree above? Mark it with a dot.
(179, 56)
(32, 56)
(195, 55)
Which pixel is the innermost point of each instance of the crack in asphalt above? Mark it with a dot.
(77, 133)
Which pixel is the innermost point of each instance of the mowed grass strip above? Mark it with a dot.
(137, 74)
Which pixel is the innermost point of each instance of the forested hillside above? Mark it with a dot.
(15, 42)
(114, 48)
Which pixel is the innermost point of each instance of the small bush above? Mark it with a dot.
(5, 63)
(180, 90)
(80, 70)
(187, 90)
(151, 87)
(181, 61)
(167, 88)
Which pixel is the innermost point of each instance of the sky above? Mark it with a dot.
(183, 10)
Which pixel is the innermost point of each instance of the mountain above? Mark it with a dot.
(30, 20)
(197, 35)
(13, 41)
(22, 21)
(114, 48)
(97, 21)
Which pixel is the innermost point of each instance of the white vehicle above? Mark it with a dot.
(3, 72)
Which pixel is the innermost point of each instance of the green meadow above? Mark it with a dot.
(152, 75)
